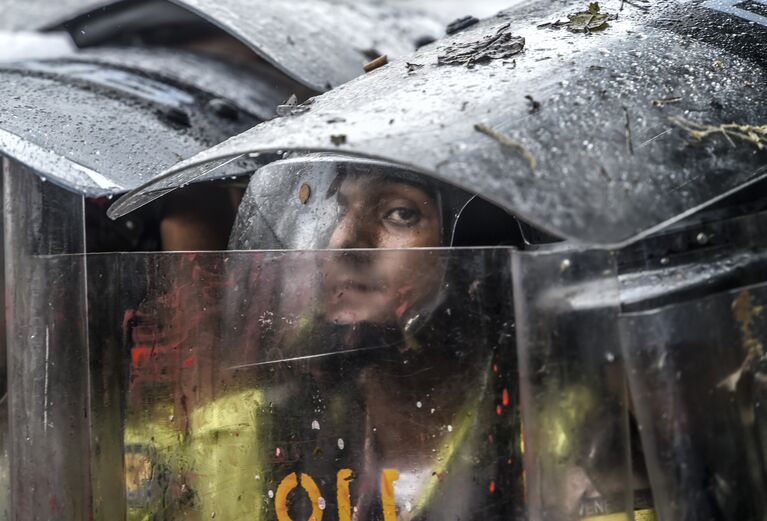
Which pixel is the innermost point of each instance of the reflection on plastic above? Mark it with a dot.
(242, 397)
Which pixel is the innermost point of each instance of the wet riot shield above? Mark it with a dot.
(578, 444)
(692, 334)
(641, 373)
(40, 220)
(239, 384)
(234, 385)
(5, 483)
(318, 43)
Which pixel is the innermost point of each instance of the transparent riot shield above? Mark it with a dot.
(5, 470)
(578, 447)
(293, 386)
(694, 345)
(48, 373)
(698, 370)
(349, 384)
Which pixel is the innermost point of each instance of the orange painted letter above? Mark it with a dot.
(287, 486)
(344, 496)
(388, 477)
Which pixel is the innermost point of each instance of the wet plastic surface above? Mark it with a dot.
(697, 376)
(319, 43)
(36, 14)
(257, 89)
(599, 159)
(219, 381)
(576, 413)
(98, 127)
(296, 204)
(640, 377)
(27, 45)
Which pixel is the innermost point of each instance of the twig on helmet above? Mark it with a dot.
(506, 141)
(752, 134)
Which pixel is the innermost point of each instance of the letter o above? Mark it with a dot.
(290, 483)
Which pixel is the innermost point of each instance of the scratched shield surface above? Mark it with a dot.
(600, 126)
(723, 435)
(246, 393)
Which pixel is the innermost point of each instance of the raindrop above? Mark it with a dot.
(315, 425)
(565, 265)
(408, 506)
(321, 503)
(610, 357)
(341, 444)
(702, 239)
(449, 428)
(418, 404)
(271, 494)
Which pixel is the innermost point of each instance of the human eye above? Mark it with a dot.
(402, 216)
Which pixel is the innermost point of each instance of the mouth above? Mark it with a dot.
(353, 286)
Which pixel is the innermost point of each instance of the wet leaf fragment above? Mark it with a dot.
(506, 141)
(589, 21)
(291, 107)
(338, 140)
(498, 46)
(304, 193)
(732, 132)
(745, 312)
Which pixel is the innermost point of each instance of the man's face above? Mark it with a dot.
(381, 287)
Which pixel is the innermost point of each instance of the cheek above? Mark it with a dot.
(412, 277)
(426, 235)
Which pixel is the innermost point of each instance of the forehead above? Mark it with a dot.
(362, 185)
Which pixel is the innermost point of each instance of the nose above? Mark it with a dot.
(353, 231)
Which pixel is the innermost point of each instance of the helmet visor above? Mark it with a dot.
(328, 202)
